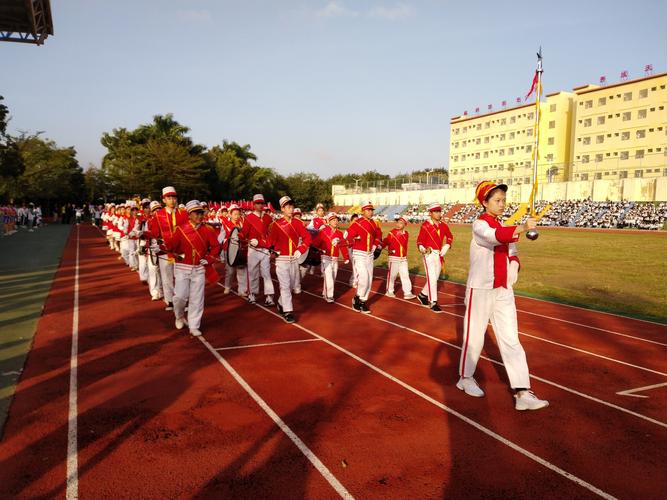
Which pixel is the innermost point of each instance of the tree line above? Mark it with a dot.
(143, 160)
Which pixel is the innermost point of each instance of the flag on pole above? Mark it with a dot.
(537, 88)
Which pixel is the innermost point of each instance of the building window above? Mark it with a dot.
(531, 116)
(501, 152)
(602, 101)
(599, 139)
(639, 154)
(624, 155)
(552, 108)
(588, 104)
(486, 140)
(465, 129)
(486, 154)
(584, 177)
(585, 158)
(512, 135)
(587, 141)
(623, 174)
(510, 151)
(643, 93)
(639, 173)
(627, 96)
(587, 122)
(625, 136)
(627, 116)
(529, 148)
(502, 137)
(550, 157)
(487, 125)
(512, 119)
(598, 157)
(641, 113)
(550, 141)
(641, 134)
(478, 141)
(503, 121)
(552, 124)
(601, 120)
(479, 126)
(598, 176)
(476, 156)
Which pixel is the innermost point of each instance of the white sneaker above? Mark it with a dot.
(330, 300)
(227, 290)
(470, 387)
(195, 333)
(409, 296)
(526, 400)
(155, 297)
(297, 291)
(269, 301)
(180, 323)
(390, 294)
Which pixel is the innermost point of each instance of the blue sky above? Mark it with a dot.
(321, 86)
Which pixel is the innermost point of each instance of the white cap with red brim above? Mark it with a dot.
(168, 191)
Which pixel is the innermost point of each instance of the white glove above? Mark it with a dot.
(203, 262)
(444, 249)
(254, 242)
(513, 273)
(345, 235)
(373, 248)
(335, 241)
(422, 248)
(297, 254)
(347, 261)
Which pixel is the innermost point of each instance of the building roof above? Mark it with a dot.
(579, 91)
(25, 21)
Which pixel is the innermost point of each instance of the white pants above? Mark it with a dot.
(132, 259)
(241, 274)
(286, 271)
(142, 258)
(167, 278)
(259, 263)
(189, 289)
(353, 273)
(299, 275)
(125, 250)
(398, 266)
(363, 269)
(329, 272)
(154, 281)
(432, 267)
(498, 306)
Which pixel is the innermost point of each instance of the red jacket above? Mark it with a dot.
(323, 241)
(163, 225)
(133, 223)
(434, 236)
(193, 244)
(288, 237)
(364, 235)
(318, 222)
(397, 243)
(257, 228)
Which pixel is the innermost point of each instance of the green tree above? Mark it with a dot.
(308, 189)
(11, 163)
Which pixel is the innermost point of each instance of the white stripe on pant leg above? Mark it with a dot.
(72, 491)
(427, 286)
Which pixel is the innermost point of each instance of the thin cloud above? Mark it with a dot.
(194, 15)
(336, 9)
(393, 13)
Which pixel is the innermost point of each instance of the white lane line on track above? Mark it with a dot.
(382, 278)
(269, 344)
(72, 488)
(631, 392)
(322, 469)
(469, 421)
(565, 346)
(499, 363)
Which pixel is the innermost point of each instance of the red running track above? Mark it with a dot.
(348, 404)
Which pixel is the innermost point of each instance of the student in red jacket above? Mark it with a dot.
(433, 241)
(196, 246)
(333, 246)
(290, 239)
(396, 244)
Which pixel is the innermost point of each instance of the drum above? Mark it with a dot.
(311, 257)
(377, 253)
(237, 249)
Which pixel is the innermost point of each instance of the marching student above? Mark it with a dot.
(162, 227)
(364, 236)
(241, 272)
(117, 219)
(396, 243)
(132, 226)
(153, 250)
(302, 270)
(332, 244)
(298, 214)
(142, 242)
(317, 223)
(196, 245)
(353, 275)
(494, 269)
(289, 239)
(256, 231)
(433, 241)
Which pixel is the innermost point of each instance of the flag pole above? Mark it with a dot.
(533, 234)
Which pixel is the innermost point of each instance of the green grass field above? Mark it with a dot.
(617, 272)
